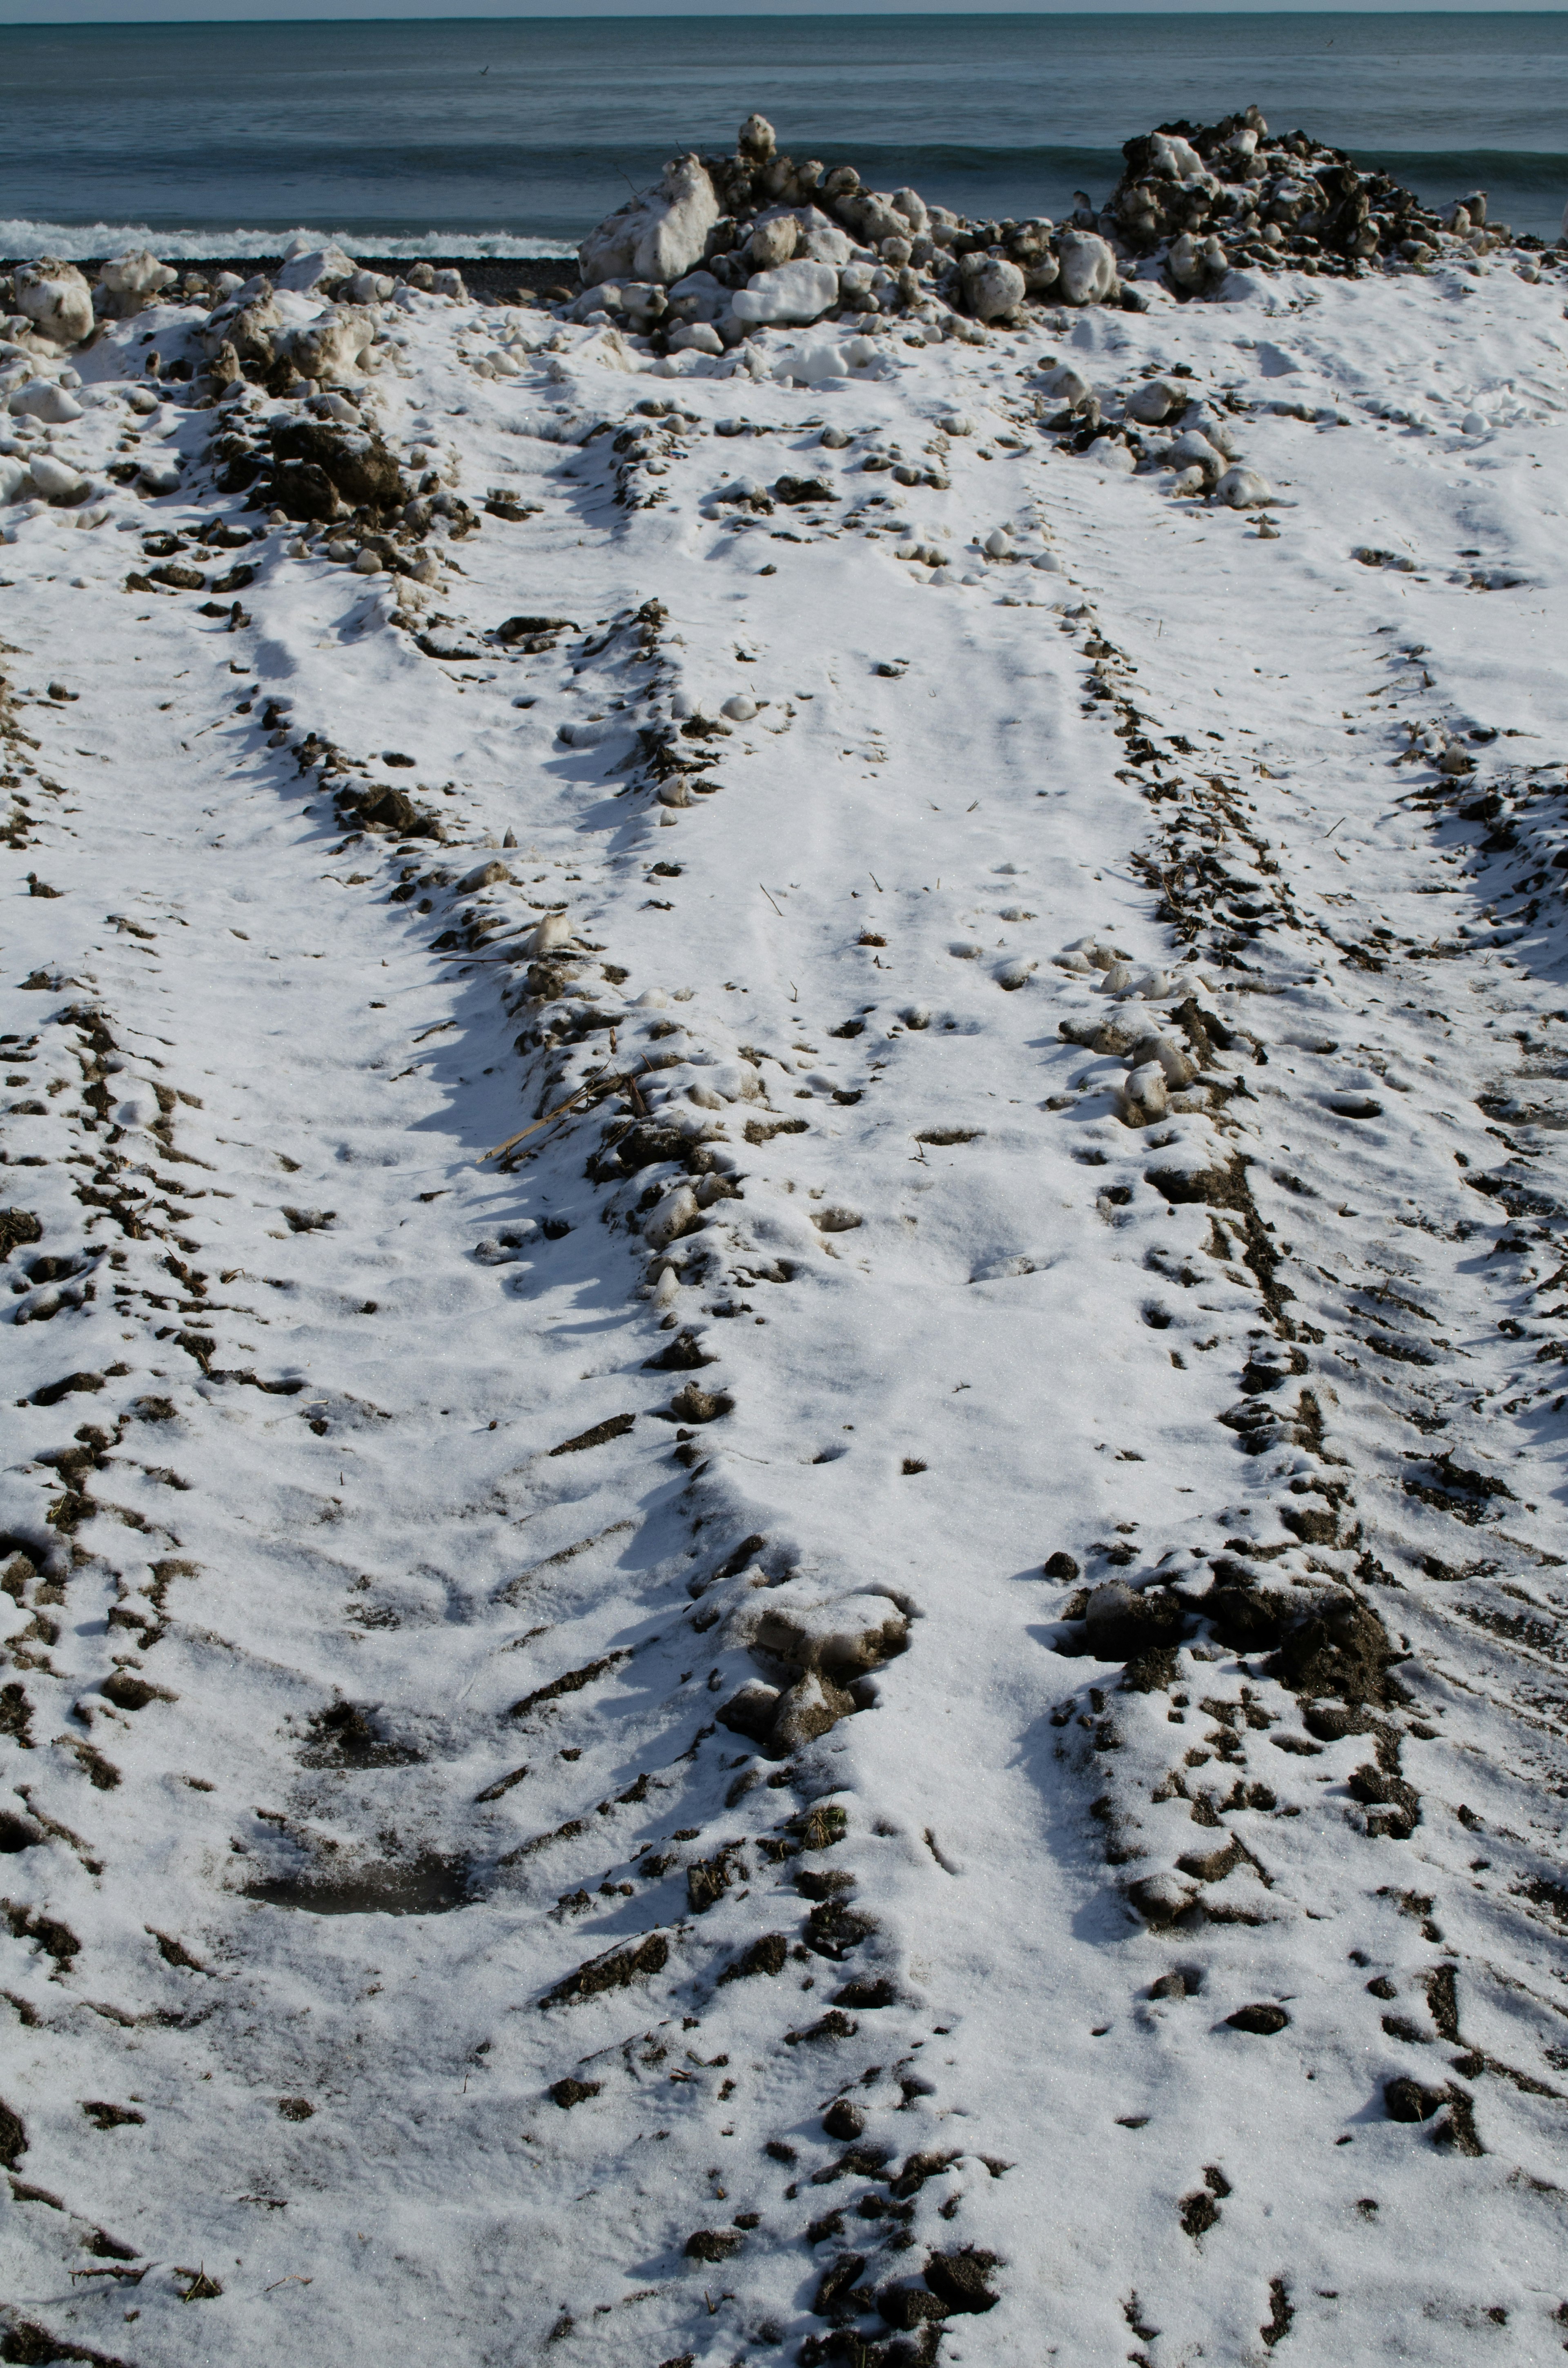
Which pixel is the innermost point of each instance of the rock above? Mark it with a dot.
(41, 399)
(367, 288)
(1064, 385)
(248, 327)
(696, 337)
(484, 875)
(1061, 1567)
(773, 241)
(660, 235)
(315, 464)
(55, 300)
(1160, 1898)
(1243, 489)
(795, 292)
(810, 1707)
(1155, 401)
(872, 216)
(962, 2280)
(1195, 264)
(336, 347)
(569, 2092)
(757, 140)
(819, 240)
(1088, 268)
(132, 280)
(54, 480)
(694, 1403)
(697, 296)
(1404, 2100)
(845, 1638)
(740, 709)
(845, 2120)
(1262, 2019)
(991, 288)
(1118, 1621)
(307, 268)
(752, 1711)
(714, 2243)
(1192, 449)
(15, 484)
(676, 1214)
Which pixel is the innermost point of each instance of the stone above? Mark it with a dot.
(810, 1707)
(773, 241)
(1243, 489)
(1064, 385)
(311, 456)
(337, 347)
(1088, 268)
(757, 140)
(697, 296)
(752, 1711)
(367, 288)
(133, 279)
(546, 936)
(871, 216)
(677, 1214)
(795, 292)
(1263, 2020)
(992, 288)
(845, 1638)
(1192, 449)
(305, 268)
(660, 235)
(1119, 1620)
(484, 875)
(696, 337)
(1155, 401)
(55, 300)
(55, 481)
(41, 400)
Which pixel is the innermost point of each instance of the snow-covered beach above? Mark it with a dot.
(1020, 1818)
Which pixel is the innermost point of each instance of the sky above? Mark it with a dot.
(128, 12)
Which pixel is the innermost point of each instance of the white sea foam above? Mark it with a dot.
(22, 240)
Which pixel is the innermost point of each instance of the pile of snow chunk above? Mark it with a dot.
(724, 245)
(732, 243)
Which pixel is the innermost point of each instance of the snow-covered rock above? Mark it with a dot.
(660, 235)
(795, 292)
(134, 278)
(42, 400)
(55, 300)
(1088, 268)
(306, 269)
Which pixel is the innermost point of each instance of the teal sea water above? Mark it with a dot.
(503, 137)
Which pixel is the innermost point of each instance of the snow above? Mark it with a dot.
(452, 1656)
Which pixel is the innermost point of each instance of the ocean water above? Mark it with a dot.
(513, 137)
